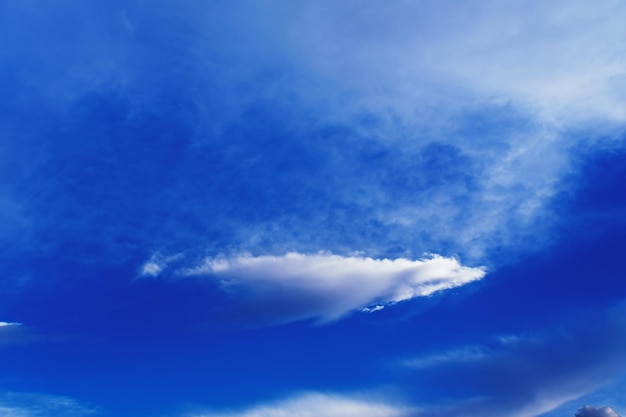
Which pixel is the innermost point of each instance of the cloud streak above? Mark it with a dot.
(460, 355)
(326, 287)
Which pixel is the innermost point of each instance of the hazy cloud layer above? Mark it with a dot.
(389, 129)
(555, 60)
(325, 286)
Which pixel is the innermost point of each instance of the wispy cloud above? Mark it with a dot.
(324, 286)
(526, 376)
(14, 404)
(459, 355)
(320, 405)
(16, 333)
(156, 264)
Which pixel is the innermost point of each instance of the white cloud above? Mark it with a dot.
(320, 405)
(325, 286)
(151, 269)
(9, 324)
(372, 309)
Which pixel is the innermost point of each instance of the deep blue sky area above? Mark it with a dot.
(314, 208)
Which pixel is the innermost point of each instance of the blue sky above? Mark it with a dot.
(312, 208)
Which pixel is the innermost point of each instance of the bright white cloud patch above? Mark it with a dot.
(8, 324)
(326, 286)
(319, 405)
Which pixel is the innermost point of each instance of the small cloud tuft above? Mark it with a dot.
(156, 264)
(591, 411)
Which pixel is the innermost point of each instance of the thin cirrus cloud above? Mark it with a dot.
(317, 405)
(326, 287)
